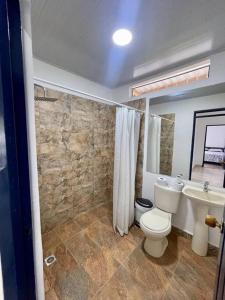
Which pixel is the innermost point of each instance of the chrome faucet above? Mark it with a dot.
(206, 186)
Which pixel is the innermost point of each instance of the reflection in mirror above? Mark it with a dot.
(166, 143)
(209, 147)
(161, 136)
(176, 146)
(154, 131)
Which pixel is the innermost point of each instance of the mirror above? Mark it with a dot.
(186, 135)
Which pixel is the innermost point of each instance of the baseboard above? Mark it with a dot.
(182, 233)
(212, 250)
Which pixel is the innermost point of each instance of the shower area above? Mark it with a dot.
(75, 146)
(75, 149)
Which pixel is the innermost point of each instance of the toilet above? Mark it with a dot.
(156, 223)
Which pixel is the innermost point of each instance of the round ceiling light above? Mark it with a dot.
(122, 37)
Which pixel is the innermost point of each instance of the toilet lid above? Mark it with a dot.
(156, 219)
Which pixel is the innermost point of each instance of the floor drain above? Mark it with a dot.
(50, 260)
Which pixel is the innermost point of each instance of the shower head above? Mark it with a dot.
(47, 99)
(44, 98)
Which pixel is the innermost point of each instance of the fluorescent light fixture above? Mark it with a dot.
(183, 76)
(122, 37)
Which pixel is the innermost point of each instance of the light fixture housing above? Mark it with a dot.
(122, 37)
(198, 71)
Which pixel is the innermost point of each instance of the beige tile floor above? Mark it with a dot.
(95, 263)
(212, 173)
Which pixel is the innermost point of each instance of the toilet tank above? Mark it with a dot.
(166, 198)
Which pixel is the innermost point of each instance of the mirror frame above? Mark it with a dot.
(193, 134)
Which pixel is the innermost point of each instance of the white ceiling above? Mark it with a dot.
(75, 35)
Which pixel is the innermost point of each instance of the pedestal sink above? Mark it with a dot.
(203, 201)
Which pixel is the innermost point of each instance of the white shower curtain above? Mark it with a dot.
(125, 159)
(154, 136)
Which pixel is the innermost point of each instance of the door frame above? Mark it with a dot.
(195, 116)
(219, 290)
(206, 130)
(17, 167)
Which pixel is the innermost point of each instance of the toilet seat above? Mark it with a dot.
(156, 222)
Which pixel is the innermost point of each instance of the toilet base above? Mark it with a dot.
(155, 247)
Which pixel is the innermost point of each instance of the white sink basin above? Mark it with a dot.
(209, 198)
(202, 201)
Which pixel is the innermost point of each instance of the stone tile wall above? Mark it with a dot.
(75, 147)
(139, 104)
(166, 144)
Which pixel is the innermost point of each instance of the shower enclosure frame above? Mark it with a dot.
(16, 240)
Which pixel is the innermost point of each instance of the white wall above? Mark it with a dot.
(25, 7)
(217, 75)
(216, 138)
(45, 71)
(216, 135)
(121, 94)
(184, 219)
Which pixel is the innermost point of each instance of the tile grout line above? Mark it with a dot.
(99, 246)
(121, 264)
(74, 219)
(87, 273)
(82, 230)
(119, 267)
(67, 249)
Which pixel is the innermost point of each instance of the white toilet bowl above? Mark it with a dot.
(156, 225)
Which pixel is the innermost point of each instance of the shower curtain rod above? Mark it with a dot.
(153, 115)
(87, 94)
